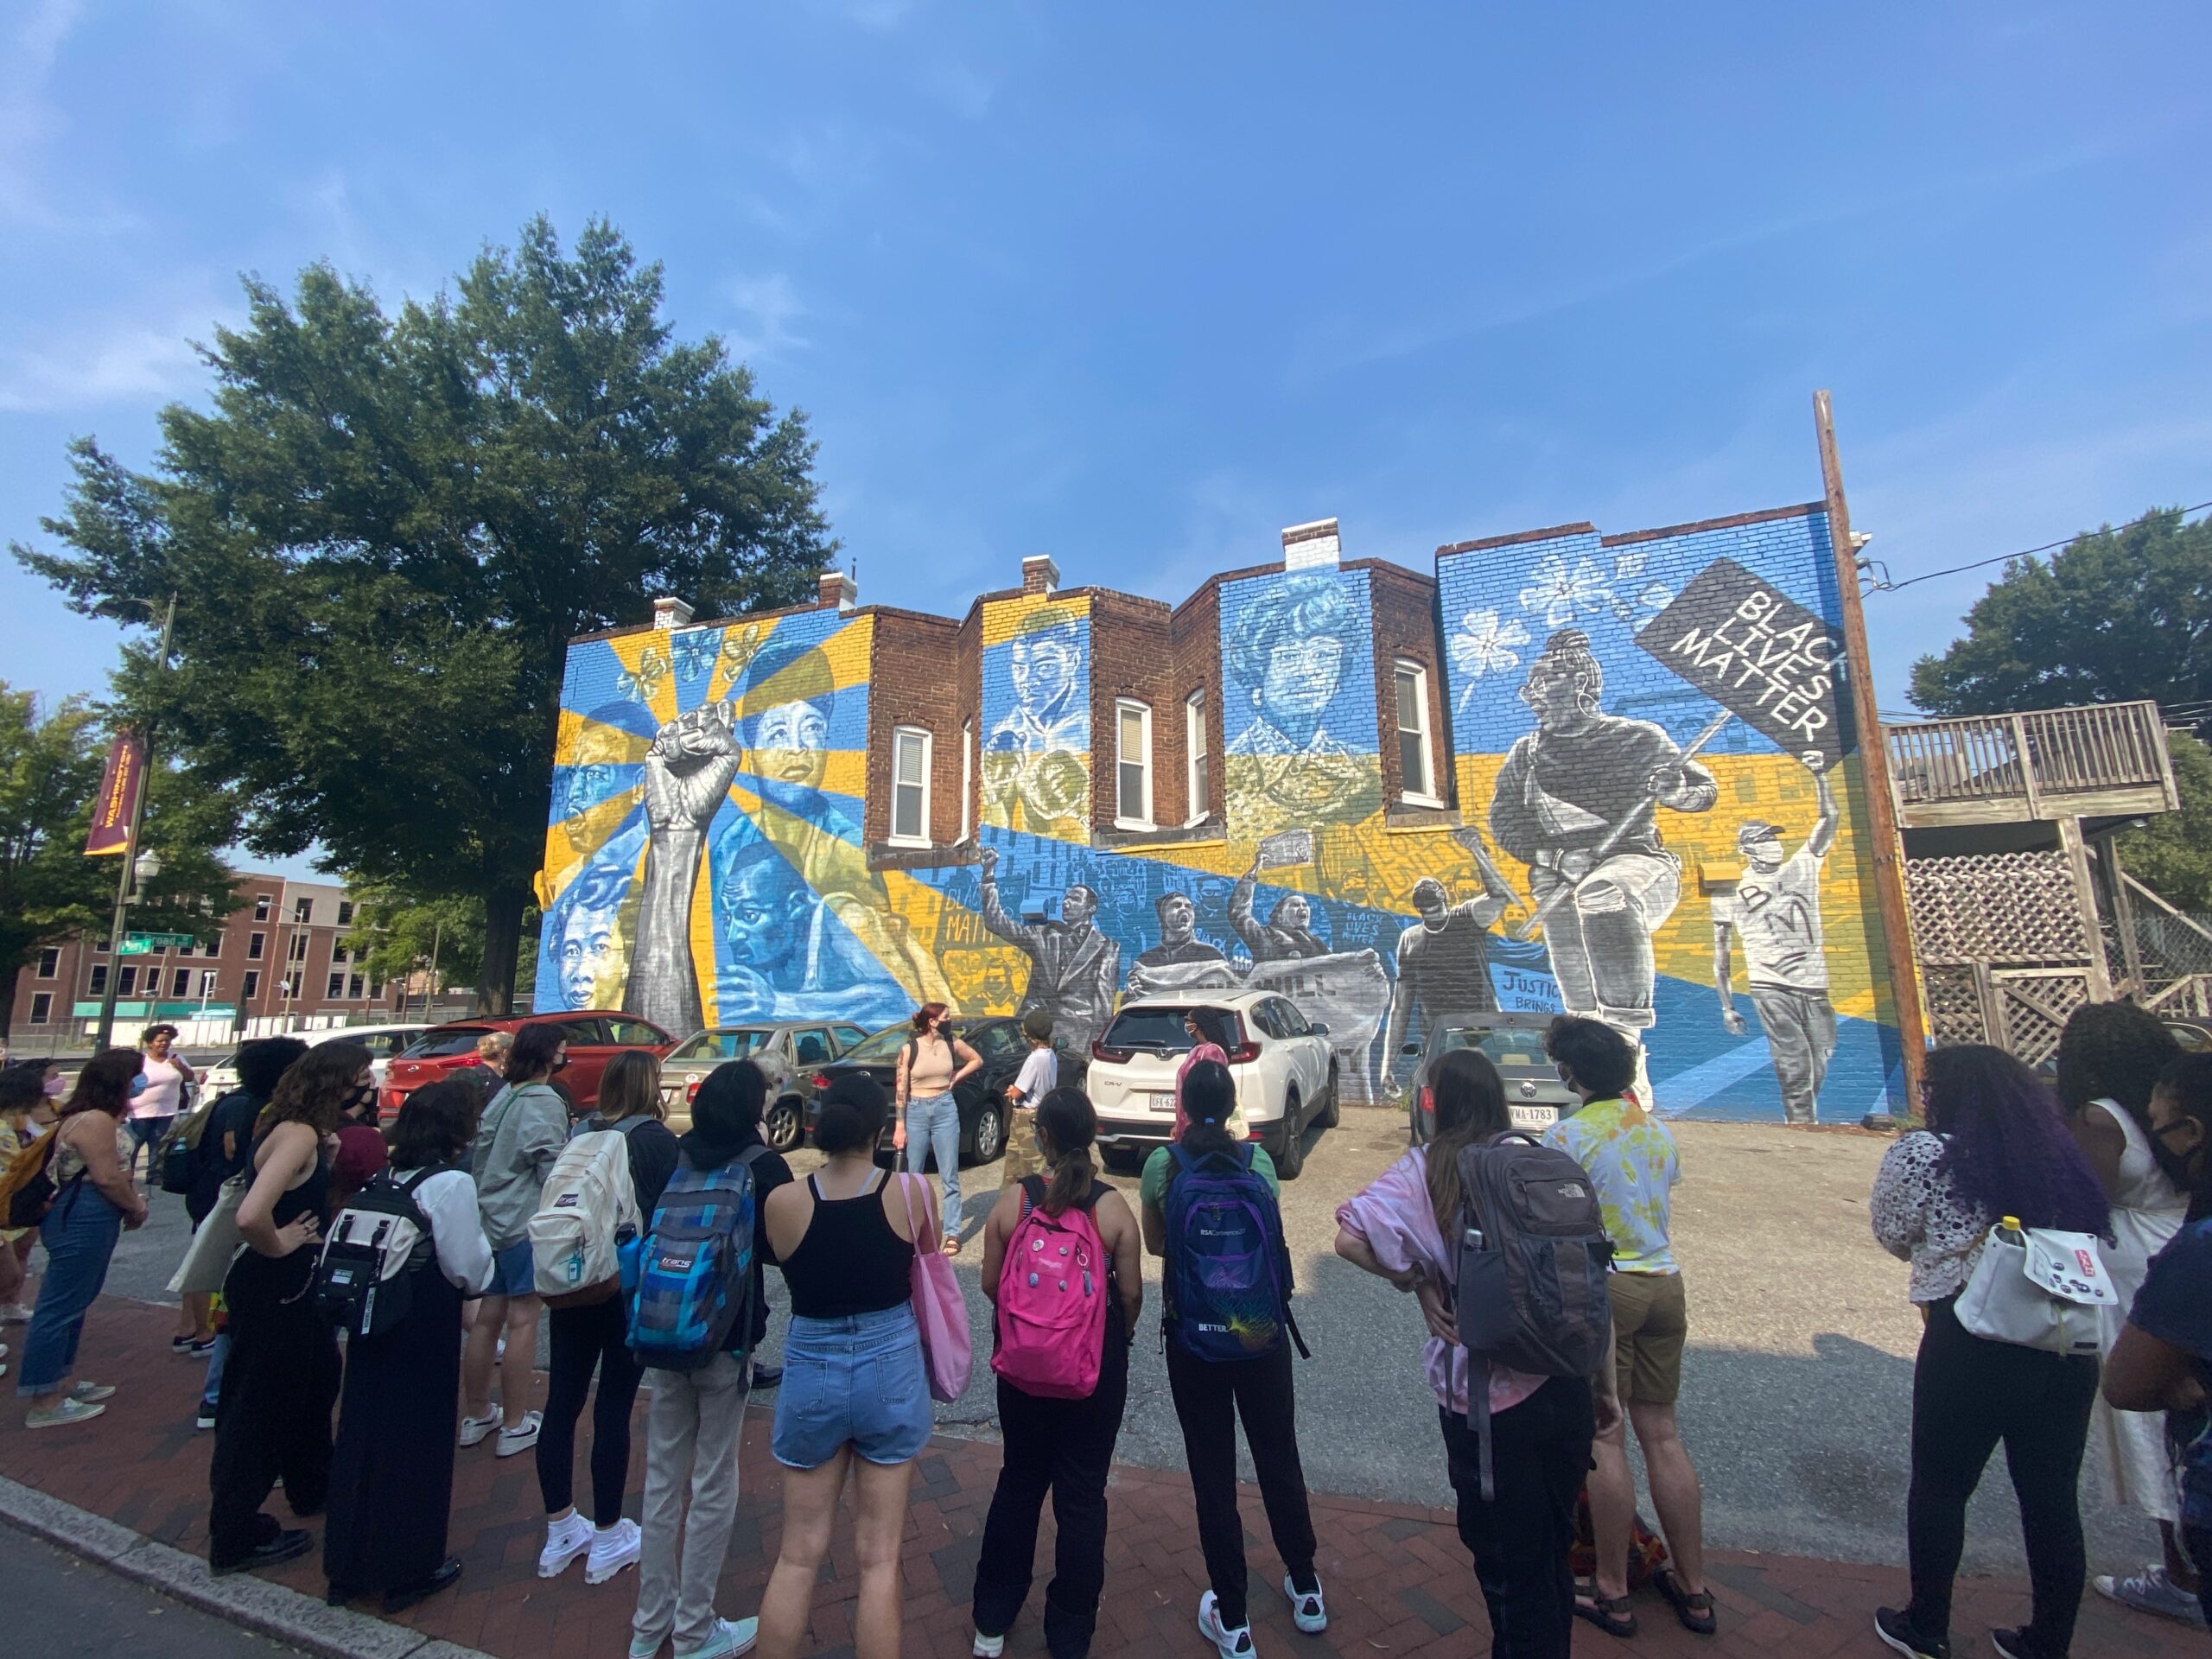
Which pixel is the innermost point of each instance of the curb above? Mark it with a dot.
(270, 1609)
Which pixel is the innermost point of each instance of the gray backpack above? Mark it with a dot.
(1533, 1257)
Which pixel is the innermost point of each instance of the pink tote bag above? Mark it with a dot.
(940, 1311)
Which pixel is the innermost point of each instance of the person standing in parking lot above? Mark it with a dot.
(155, 1106)
(1039, 1077)
(930, 1066)
(518, 1141)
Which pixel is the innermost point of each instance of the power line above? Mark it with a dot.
(1883, 585)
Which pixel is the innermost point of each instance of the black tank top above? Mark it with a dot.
(850, 1260)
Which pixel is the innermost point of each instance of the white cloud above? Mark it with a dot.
(769, 306)
(132, 362)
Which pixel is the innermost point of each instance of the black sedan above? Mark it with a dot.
(1534, 1096)
(981, 1095)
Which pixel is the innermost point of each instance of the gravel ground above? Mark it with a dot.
(1796, 1396)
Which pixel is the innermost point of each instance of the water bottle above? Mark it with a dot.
(2008, 1229)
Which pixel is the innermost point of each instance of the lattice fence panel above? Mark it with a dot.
(2009, 907)
(1954, 1004)
(2036, 1007)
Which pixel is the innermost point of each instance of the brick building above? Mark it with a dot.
(283, 954)
(1556, 769)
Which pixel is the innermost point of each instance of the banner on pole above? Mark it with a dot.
(118, 801)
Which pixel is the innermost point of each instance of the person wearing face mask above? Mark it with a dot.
(360, 1151)
(2163, 1361)
(518, 1142)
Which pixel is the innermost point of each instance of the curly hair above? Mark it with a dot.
(2114, 1050)
(1298, 608)
(2007, 1149)
(315, 1087)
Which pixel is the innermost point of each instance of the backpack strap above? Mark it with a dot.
(1031, 1188)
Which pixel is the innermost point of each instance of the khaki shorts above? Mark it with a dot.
(1650, 1323)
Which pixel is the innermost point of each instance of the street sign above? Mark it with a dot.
(140, 945)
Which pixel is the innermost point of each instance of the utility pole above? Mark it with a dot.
(105, 1032)
(1888, 848)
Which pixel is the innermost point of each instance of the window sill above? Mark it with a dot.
(1427, 802)
(1136, 826)
(911, 843)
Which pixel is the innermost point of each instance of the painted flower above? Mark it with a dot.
(1556, 593)
(1484, 644)
(1628, 599)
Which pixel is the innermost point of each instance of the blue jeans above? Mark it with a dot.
(146, 1135)
(79, 1234)
(933, 1126)
(211, 1391)
(858, 1381)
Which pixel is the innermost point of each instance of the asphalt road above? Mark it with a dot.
(1797, 1400)
(60, 1607)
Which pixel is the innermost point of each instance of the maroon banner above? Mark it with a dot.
(118, 798)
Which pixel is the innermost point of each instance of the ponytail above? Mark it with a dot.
(1210, 1100)
(1065, 1119)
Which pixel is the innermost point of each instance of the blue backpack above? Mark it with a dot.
(1229, 1280)
(695, 1268)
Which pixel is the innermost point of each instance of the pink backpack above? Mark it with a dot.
(1051, 1315)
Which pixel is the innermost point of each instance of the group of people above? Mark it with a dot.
(2118, 1149)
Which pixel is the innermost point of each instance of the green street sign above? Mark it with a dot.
(139, 945)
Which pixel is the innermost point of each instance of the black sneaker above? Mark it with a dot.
(398, 1601)
(1896, 1629)
(282, 1547)
(2014, 1644)
(767, 1376)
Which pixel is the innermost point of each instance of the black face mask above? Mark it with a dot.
(2175, 1164)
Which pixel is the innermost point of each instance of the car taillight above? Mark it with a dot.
(821, 1079)
(1244, 1053)
(692, 1091)
(1112, 1056)
(1427, 1101)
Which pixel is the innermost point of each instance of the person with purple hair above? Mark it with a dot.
(1997, 1145)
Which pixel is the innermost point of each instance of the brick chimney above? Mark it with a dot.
(835, 590)
(1308, 547)
(1039, 574)
(669, 613)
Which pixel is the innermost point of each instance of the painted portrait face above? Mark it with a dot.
(591, 956)
(1295, 912)
(790, 744)
(1044, 666)
(1078, 906)
(1178, 918)
(604, 759)
(1766, 855)
(1550, 694)
(1302, 675)
(764, 913)
(998, 985)
(1429, 902)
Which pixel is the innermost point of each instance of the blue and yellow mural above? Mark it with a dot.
(1658, 822)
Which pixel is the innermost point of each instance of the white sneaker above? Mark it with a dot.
(614, 1548)
(474, 1429)
(565, 1540)
(645, 1646)
(15, 1313)
(513, 1442)
(2151, 1591)
(1233, 1644)
(1311, 1612)
(989, 1647)
(732, 1636)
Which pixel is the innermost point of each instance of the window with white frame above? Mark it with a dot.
(910, 786)
(337, 987)
(180, 982)
(49, 962)
(253, 986)
(1132, 766)
(967, 778)
(1416, 755)
(42, 1007)
(1194, 747)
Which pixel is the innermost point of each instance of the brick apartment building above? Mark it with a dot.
(282, 953)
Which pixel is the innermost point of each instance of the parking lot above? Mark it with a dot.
(1797, 1390)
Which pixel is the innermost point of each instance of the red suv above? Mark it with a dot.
(593, 1040)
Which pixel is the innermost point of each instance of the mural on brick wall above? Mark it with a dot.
(1657, 820)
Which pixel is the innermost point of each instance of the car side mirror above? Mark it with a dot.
(1410, 1048)
(1318, 1029)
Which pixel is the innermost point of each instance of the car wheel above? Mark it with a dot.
(1332, 1113)
(785, 1127)
(1120, 1159)
(1289, 1150)
(986, 1136)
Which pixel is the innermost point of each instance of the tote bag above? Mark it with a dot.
(215, 1243)
(2036, 1287)
(940, 1311)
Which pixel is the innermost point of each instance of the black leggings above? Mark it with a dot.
(1209, 1396)
(273, 1418)
(1540, 1456)
(1967, 1394)
(588, 1339)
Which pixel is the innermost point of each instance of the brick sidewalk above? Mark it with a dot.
(1399, 1583)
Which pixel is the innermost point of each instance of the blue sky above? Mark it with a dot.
(1138, 285)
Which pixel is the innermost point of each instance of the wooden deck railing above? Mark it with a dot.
(2046, 753)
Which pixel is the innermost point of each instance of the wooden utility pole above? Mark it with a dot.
(1873, 769)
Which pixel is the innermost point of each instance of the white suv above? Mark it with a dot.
(1286, 1076)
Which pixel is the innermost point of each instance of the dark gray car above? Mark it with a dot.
(1515, 1043)
(787, 1051)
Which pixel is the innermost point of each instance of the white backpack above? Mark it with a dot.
(589, 1199)
(2037, 1288)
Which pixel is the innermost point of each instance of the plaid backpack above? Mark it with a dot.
(694, 1271)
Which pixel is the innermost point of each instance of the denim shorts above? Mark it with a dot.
(858, 1380)
(514, 1271)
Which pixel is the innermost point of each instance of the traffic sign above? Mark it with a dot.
(140, 945)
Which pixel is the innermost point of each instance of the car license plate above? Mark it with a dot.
(1533, 1118)
(1164, 1102)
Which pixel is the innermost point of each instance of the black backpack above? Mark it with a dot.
(365, 1279)
(1531, 1259)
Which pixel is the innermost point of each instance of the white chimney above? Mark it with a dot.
(669, 613)
(1310, 547)
(835, 587)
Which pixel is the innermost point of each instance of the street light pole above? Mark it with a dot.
(125, 882)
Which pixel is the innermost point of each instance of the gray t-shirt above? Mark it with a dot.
(516, 1145)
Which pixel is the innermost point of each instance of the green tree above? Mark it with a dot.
(2172, 855)
(50, 891)
(399, 933)
(387, 527)
(2114, 616)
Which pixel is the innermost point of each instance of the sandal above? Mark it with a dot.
(1611, 1617)
(1694, 1610)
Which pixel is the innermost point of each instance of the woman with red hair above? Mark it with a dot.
(932, 1062)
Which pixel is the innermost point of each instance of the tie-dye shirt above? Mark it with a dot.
(1632, 1162)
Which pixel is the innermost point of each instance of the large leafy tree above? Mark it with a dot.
(387, 526)
(50, 766)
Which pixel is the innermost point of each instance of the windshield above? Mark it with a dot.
(884, 1046)
(447, 1040)
(723, 1046)
(1515, 1053)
